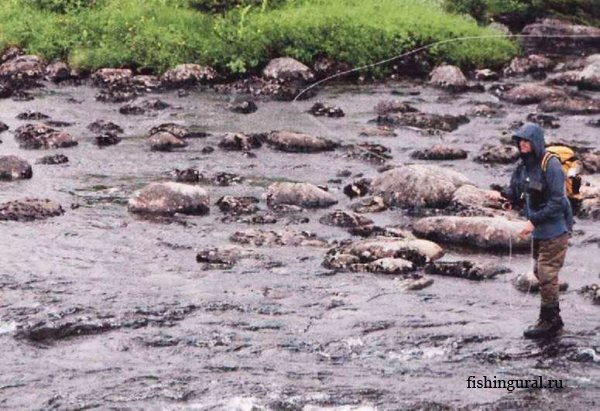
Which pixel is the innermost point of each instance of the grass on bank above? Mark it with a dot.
(153, 35)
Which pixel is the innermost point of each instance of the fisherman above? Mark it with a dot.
(538, 185)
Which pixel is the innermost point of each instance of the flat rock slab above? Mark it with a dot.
(259, 237)
(299, 194)
(418, 185)
(465, 269)
(439, 122)
(14, 168)
(170, 198)
(293, 142)
(29, 210)
(487, 233)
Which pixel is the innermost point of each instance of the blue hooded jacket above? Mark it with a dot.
(545, 200)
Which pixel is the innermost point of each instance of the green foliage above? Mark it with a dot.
(158, 34)
(62, 6)
(221, 6)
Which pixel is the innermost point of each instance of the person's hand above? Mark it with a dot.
(528, 229)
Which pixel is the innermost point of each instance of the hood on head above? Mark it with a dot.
(534, 134)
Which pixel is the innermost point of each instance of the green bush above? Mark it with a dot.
(62, 6)
(220, 6)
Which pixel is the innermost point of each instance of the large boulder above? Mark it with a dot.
(551, 36)
(530, 64)
(29, 210)
(570, 105)
(110, 77)
(170, 198)
(14, 168)
(185, 75)
(532, 93)
(59, 71)
(286, 69)
(418, 185)
(299, 194)
(36, 136)
(293, 142)
(363, 252)
(471, 197)
(22, 70)
(489, 233)
(589, 78)
(448, 77)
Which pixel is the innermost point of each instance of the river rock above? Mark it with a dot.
(14, 168)
(102, 126)
(163, 141)
(293, 142)
(528, 283)
(530, 64)
(107, 139)
(388, 265)
(22, 70)
(465, 269)
(498, 154)
(589, 78)
(448, 77)
(439, 122)
(576, 39)
(11, 53)
(285, 69)
(341, 218)
(358, 188)
(486, 75)
(36, 136)
(571, 105)
(239, 142)
(351, 255)
(488, 233)
(260, 87)
(186, 75)
(260, 237)
(368, 152)
(393, 106)
(591, 162)
(543, 120)
(243, 107)
(3, 127)
(53, 159)
(141, 107)
(566, 78)
(319, 109)
(418, 185)
(179, 131)
(109, 77)
(188, 175)
(29, 210)
(414, 282)
(58, 72)
(486, 110)
(590, 208)
(169, 198)
(237, 205)
(146, 83)
(439, 152)
(591, 123)
(32, 115)
(220, 258)
(373, 204)
(471, 197)
(299, 194)
(592, 292)
(532, 93)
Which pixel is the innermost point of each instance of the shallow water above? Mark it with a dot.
(278, 331)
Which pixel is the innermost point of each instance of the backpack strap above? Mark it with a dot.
(546, 159)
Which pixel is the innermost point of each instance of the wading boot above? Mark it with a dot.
(548, 325)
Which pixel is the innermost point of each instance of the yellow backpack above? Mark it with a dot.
(571, 167)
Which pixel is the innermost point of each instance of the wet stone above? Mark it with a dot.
(188, 175)
(373, 326)
(439, 152)
(53, 159)
(31, 136)
(426, 121)
(259, 237)
(544, 120)
(304, 195)
(293, 142)
(284, 69)
(532, 93)
(414, 282)
(592, 292)
(486, 75)
(22, 71)
(486, 110)
(143, 106)
(388, 265)
(449, 78)
(3, 127)
(111, 95)
(223, 179)
(341, 218)
(570, 105)
(29, 210)
(533, 63)
(179, 131)
(243, 107)
(358, 188)
(107, 139)
(374, 204)
(215, 258)
(385, 107)
(258, 219)
(103, 126)
(369, 152)
(591, 162)
(32, 115)
(109, 77)
(48, 331)
(594, 123)
(58, 72)
(163, 141)
(237, 205)
(57, 123)
(497, 154)
(381, 131)
(188, 75)
(14, 168)
(465, 269)
(168, 199)
(321, 110)
(240, 142)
